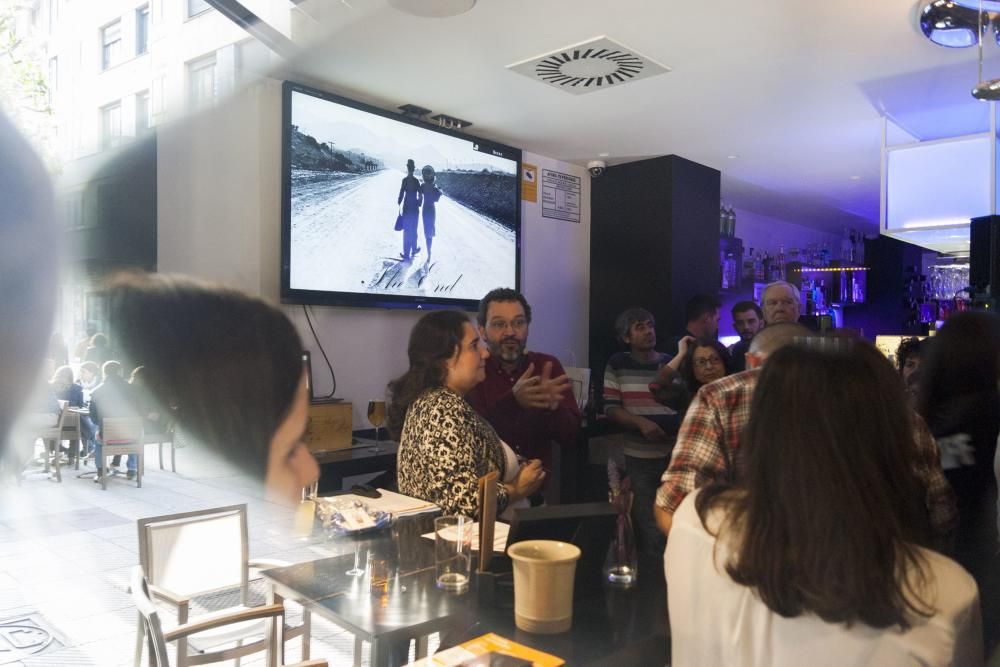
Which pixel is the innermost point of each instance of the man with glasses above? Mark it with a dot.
(526, 396)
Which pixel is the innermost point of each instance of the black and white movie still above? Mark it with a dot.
(387, 208)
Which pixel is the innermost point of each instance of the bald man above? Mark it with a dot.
(710, 436)
(781, 302)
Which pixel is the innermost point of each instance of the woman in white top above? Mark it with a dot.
(815, 556)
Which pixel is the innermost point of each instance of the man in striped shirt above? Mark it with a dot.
(649, 428)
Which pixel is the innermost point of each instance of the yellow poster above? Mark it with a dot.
(529, 182)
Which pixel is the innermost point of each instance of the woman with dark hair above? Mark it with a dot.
(818, 556)
(961, 405)
(706, 361)
(444, 446)
(229, 369)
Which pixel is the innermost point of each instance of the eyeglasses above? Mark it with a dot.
(707, 362)
(501, 325)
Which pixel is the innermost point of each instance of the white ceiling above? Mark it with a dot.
(794, 88)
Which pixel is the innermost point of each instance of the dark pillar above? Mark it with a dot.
(654, 242)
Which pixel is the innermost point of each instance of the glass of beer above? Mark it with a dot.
(376, 417)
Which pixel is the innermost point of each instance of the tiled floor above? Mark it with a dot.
(66, 551)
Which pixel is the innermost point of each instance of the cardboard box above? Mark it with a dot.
(329, 427)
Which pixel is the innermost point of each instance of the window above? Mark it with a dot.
(142, 30)
(111, 124)
(53, 6)
(201, 82)
(74, 210)
(52, 85)
(142, 118)
(196, 7)
(111, 44)
(252, 60)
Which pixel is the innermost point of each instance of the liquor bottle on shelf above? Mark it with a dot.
(758, 267)
(781, 262)
(847, 246)
(819, 297)
(730, 270)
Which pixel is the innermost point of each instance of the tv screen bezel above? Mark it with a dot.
(361, 299)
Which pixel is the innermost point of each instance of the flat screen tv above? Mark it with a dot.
(358, 231)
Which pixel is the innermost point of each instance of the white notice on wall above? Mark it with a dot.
(560, 196)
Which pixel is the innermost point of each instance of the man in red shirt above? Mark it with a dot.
(526, 396)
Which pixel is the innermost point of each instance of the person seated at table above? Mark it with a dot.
(90, 376)
(113, 398)
(65, 388)
(229, 368)
(817, 555)
(444, 445)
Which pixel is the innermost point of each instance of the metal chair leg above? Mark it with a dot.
(139, 636)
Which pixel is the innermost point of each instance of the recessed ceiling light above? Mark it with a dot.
(855, 178)
(604, 155)
(433, 9)
(732, 157)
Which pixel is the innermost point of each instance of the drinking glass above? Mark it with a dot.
(376, 417)
(453, 552)
(356, 571)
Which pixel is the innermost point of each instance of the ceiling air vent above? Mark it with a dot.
(588, 66)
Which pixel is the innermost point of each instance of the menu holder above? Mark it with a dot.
(486, 580)
(487, 518)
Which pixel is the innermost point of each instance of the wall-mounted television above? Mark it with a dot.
(358, 230)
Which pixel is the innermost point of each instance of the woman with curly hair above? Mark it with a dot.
(444, 445)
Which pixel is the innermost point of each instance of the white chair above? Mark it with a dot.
(198, 563)
(580, 378)
(121, 436)
(152, 628)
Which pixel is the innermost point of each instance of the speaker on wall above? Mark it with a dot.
(984, 255)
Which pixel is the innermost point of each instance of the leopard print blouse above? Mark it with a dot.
(444, 449)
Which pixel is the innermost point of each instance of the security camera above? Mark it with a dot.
(596, 168)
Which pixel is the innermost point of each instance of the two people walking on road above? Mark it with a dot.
(414, 195)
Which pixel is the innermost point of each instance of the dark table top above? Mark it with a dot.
(360, 451)
(606, 621)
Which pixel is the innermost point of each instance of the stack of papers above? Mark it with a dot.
(395, 504)
(500, 532)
